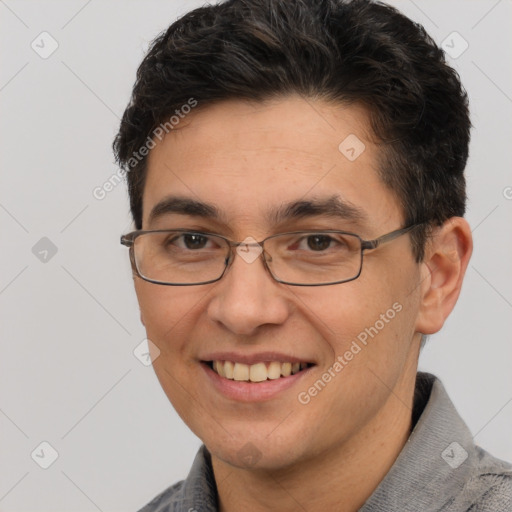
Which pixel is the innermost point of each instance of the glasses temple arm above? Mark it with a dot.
(373, 244)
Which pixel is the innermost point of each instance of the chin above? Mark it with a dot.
(248, 449)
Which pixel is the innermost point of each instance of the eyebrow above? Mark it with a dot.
(183, 206)
(333, 206)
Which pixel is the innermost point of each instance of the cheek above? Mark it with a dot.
(170, 316)
(168, 313)
(369, 322)
(341, 312)
(367, 332)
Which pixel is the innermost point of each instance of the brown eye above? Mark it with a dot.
(194, 241)
(319, 242)
(190, 241)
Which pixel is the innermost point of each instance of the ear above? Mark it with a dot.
(447, 256)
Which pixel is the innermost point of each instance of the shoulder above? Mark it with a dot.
(489, 488)
(196, 492)
(166, 501)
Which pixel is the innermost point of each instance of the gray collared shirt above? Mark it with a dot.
(439, 469)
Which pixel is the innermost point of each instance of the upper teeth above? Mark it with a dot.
(256, 372)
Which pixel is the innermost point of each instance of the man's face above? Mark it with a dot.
(247, 160)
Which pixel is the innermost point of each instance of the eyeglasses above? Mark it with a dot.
(181, 257)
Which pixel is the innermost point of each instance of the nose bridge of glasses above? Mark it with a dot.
(248, 249)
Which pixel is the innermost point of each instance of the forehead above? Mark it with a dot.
(248, 158)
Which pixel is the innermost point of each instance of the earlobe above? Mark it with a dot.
(446, 259)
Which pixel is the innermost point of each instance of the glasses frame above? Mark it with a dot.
(128, 240)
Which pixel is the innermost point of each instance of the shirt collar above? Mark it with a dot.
(199, 491)
(436, 460)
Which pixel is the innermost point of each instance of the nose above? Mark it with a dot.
(247, 297)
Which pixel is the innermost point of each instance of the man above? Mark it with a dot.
(296, 181)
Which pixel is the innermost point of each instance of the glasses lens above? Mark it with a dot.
(314, 257)
(177, 257)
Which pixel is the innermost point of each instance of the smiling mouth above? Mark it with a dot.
(258, 372)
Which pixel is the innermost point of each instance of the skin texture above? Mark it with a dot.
(331, 453)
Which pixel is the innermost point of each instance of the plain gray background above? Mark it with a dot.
(69, 319)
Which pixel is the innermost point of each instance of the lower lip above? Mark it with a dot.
(252, 391)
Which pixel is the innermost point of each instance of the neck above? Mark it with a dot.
(342, 479)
